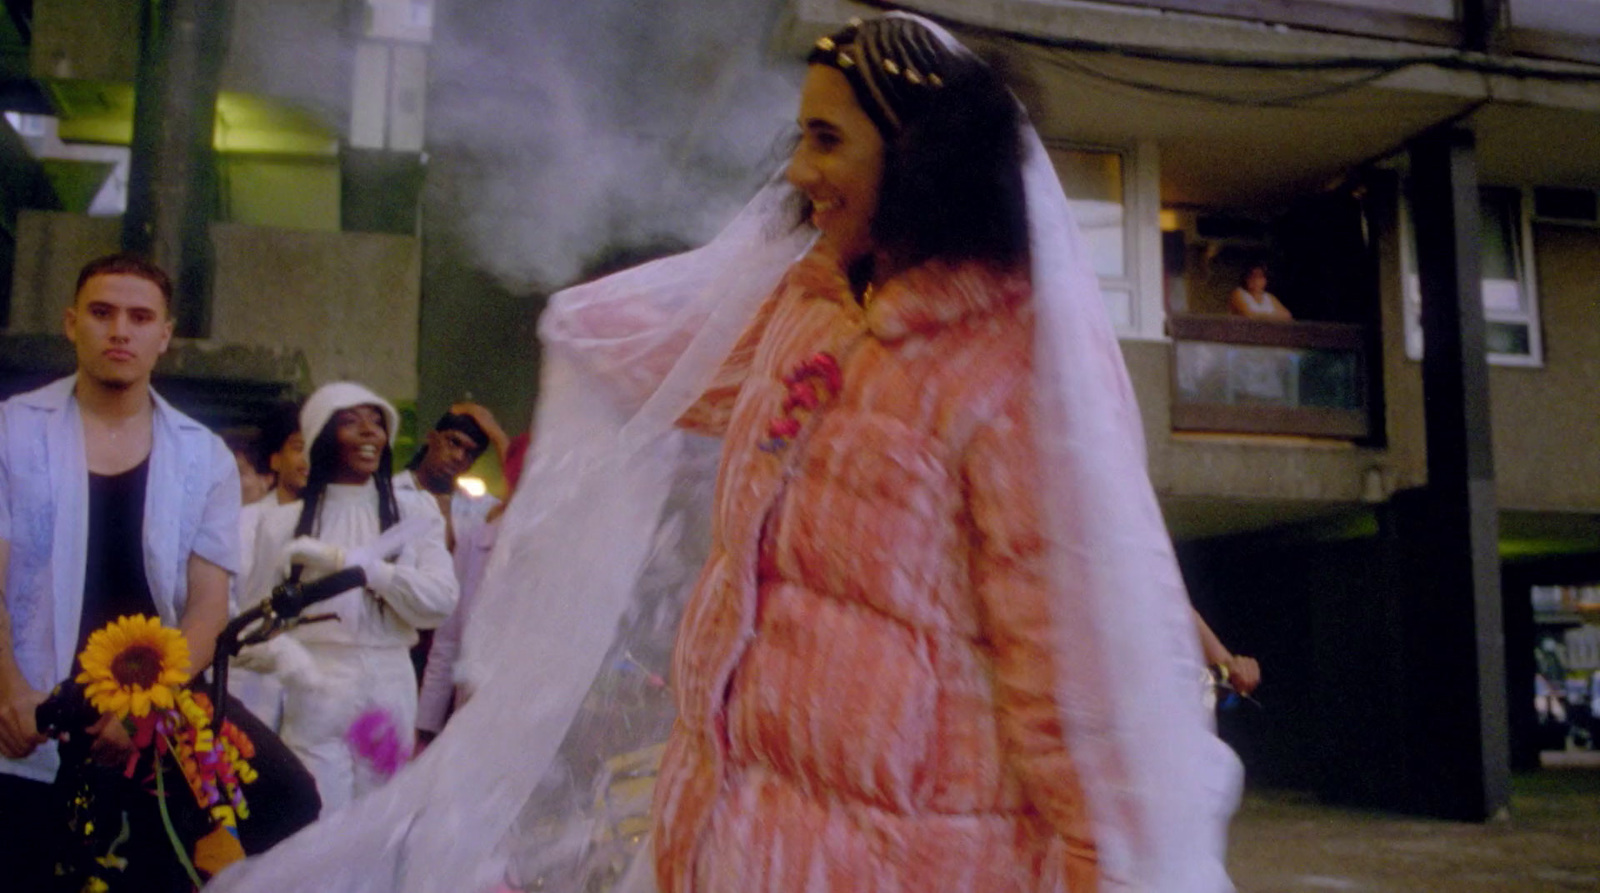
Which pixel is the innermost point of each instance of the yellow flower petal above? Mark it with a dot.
(161, 696)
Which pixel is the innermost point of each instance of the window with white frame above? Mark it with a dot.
(1115, 197)
(1510, 301)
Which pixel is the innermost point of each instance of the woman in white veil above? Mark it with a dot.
(543, 779)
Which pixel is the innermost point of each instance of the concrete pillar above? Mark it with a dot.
(1458, 741)
(172, 177)
(1480, 23)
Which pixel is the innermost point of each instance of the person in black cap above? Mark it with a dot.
(461, 436)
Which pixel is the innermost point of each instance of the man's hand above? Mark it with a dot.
(1244, 674)
(486, 420)
(111, 745)
(19, 735)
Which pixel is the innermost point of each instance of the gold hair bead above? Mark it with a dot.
(889, 66)
(846, 61)
(935, 80)
(912, 76)
(826, 44)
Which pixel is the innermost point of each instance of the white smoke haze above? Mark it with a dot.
(557, 130)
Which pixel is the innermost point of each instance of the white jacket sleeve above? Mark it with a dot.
(272, 532)
(421, 586)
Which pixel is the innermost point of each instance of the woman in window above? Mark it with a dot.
(1251, 299)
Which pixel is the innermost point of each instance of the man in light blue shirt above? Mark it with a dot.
(111, 502)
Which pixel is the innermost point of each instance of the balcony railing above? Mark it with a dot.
(1254, 377)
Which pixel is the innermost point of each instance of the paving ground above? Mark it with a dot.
(1288, 842)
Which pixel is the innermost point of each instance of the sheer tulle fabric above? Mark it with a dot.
(537, 780)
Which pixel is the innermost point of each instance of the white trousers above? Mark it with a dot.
(260, 693)
(316, 720)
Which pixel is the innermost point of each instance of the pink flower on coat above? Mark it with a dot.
(783, 428)
(802, 395)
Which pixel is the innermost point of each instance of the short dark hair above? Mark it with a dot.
(952, 171)
(246, 442)
(125, 263)
(281, 422)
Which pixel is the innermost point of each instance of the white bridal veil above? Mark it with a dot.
(542, 779)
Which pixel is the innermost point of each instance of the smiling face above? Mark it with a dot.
(838, 163)
(291, 464)
(119, 325)
(360, 436)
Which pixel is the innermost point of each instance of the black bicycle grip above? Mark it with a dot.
(67, 710)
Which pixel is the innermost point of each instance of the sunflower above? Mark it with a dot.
(131, 664)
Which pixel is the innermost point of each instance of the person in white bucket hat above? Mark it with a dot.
(337, 672)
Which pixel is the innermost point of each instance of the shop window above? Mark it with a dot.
(1510, 301)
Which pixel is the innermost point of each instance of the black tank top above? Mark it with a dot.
(114, 581)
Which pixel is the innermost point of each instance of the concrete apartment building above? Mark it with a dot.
(310, 202)
(1363, 501)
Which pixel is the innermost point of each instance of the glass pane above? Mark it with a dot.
(1090, 176)
(1330, 379)
(1508, 338)
(1093, 183)
(1500, 216)
(1248, 375)
(1119, 306)
(1262, 376)
(1565, 16)
(1202, 372)
(1502, 296)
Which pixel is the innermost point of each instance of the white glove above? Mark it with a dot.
(315, 555)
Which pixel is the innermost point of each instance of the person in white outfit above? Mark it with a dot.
(334, 672)
(261, 693)
(450, 450)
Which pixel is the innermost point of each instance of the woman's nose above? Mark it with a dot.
(801, 173)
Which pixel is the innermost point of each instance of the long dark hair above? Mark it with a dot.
(324, 456)
(952, 167)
